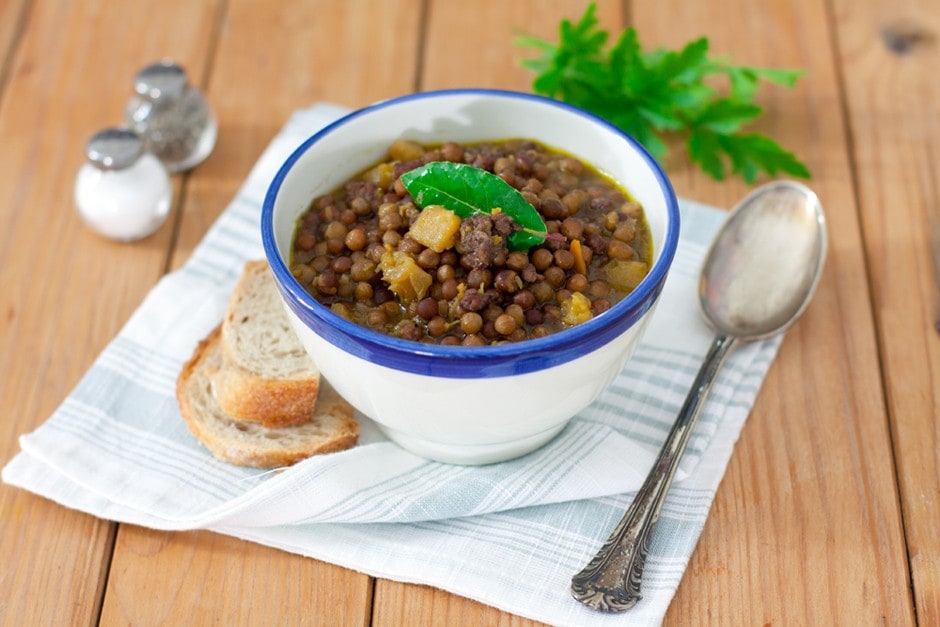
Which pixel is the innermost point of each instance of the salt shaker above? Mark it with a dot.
(172, 116)
(122, 191)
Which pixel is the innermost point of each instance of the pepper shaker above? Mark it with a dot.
(122, 191)
(172, 116)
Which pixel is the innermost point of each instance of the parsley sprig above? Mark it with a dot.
(652, 94)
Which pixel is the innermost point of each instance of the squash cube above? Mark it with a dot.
(576, 309)
(404, 276)
(625, 275)
(435, 228)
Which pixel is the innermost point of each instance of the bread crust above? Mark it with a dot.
(272, 402)
(331, 428)
(266, 375)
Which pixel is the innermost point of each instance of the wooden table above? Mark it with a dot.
(830, 508)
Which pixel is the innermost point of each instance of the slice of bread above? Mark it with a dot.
(332, 427)
(267, 376)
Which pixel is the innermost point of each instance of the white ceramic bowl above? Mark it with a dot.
(468, 405)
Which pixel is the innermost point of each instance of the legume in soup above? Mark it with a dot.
(362, 251)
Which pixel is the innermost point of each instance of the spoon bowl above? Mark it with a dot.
(763, 266)
(757, 278)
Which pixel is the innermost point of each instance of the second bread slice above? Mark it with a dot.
(332, 427)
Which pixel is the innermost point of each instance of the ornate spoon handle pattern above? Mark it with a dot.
(611, 581)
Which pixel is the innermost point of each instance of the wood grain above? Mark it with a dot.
(485, 34)
(889, 56)
(409, 604)
(829, 531)
(203, 578)
(453, 29)
(12, 19)
(59, 310)
(270, 63)
(258, 80)
(829, 511)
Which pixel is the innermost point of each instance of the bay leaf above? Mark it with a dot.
(467, 191)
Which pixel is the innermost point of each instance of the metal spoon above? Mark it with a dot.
(757, 278)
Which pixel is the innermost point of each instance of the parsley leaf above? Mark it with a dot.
(650, 94)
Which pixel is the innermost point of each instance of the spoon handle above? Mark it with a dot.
(611, 581)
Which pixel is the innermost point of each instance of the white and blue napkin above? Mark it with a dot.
(509, 535)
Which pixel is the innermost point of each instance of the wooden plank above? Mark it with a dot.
(12, 19)
(268, 63)
(803, 472)
(805, 528)
(202, 578)
(64, 292)
(783, 544)
(487, 31)
(324, 52)
(478, 39)
(888, 54)
(471, 45)
(410, 604)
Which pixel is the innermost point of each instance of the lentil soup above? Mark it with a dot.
(362, 251)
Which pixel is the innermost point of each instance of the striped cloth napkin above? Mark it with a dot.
(509, 535)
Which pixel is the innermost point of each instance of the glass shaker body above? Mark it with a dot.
(171, 116)
(122, 192)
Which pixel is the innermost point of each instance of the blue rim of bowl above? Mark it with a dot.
(462, 362)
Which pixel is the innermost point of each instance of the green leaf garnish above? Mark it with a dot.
(652, 94)
(468, 191)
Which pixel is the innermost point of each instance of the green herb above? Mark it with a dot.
(468, 191)
(650, 94)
